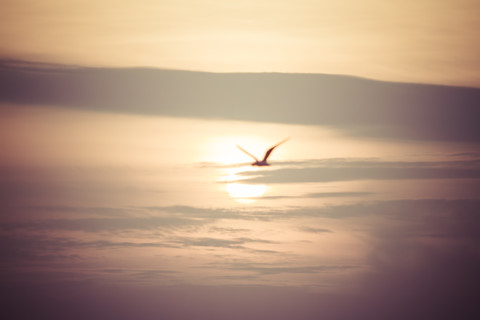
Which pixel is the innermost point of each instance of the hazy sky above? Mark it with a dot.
(124, 215)
(123, 194)
(116, 204)
(415, 41)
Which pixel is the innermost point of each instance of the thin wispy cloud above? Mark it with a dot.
(269, 269)
(231, 243)
(393, 230)
(315, 230)
(110, 224)
(347, 170)
(186, 217)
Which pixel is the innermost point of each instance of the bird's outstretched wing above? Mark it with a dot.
(251, 155)
(267, 154)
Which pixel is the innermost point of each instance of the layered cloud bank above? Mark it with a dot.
(422, 262)
(355, 106)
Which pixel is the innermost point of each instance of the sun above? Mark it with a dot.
(240, 191)
(245, 193)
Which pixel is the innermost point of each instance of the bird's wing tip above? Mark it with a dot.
(251, 155)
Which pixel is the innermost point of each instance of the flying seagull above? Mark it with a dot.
(267, 154)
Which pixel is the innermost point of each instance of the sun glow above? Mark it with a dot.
(223, 150)
(245, 193)
(225, 153)
(239, 191)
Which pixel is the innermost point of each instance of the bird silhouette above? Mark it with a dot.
(267, 154)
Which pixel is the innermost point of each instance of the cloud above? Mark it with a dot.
(169, 219)
(18, 248)
(329, 170)
(215, 213)
(338, 194)
(422, 262)
(269, 269)
(318, 195)
(228, 230)
(314, 230)
(356, 106)
(466, 154)
(106, 224)
(399, 222)
(235, 243)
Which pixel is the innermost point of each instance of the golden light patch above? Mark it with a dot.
(245, 193)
